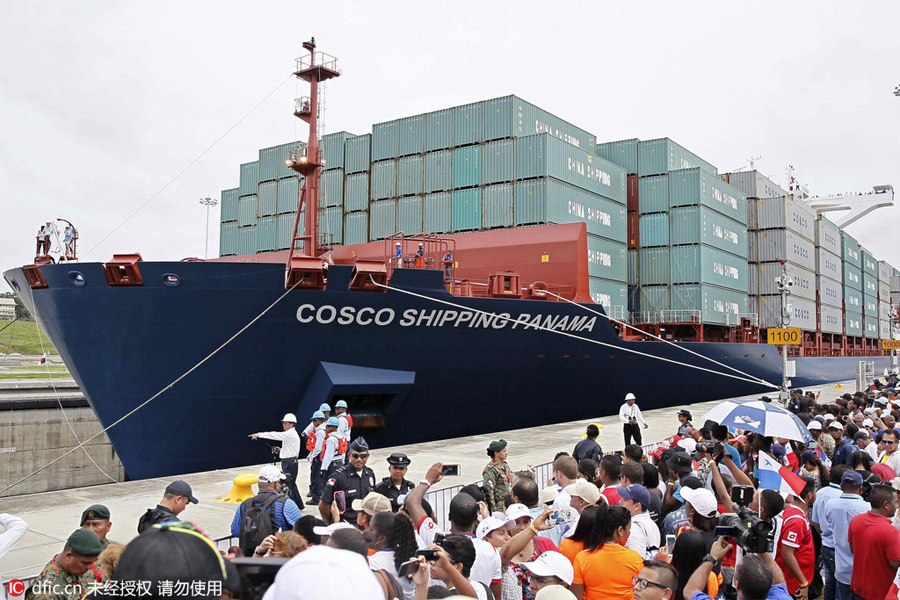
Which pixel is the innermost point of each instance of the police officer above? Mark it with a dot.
(497, 475)
(314, 443)
(290, 451)
(396, 485)
(68, 576)
(352, 481)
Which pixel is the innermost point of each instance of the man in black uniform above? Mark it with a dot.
(350, 482)
(395, 486)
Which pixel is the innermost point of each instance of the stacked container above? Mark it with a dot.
(851, 275)
(885, 272)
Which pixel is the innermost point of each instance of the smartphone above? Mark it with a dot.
(724, 531)
(618, 453)
(341, 499)
(407, 569)
(450, 471)
(430, 555)
(670, 543)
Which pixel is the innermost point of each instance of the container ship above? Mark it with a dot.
(482, 267)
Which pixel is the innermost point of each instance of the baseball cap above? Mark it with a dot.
(868, 423)
(329, 529)
(685, 413)
(552, 564)
(851, 478)
(548, 495)
(828, 417)
(326, 572)
(689, 444)
(94, 512)
(807, 456)
(372, 504)
(835, 425)
(680, 462)
(585, 490)
(270, 474)
(517, 511)
(636, 492)
(862, 433)
(181, 488)
(289, 418)
(554, 592)
(778, 450)
(703, 500)
(814, 425)
(492, 524)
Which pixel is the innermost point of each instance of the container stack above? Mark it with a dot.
(885, 272)
(851, 272)
(829, 277)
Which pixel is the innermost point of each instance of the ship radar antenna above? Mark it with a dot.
(752, 160)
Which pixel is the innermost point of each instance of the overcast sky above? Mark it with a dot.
(102, 103)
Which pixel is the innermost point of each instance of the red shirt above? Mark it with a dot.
(874, 541)
(612, 495)
(796, 533)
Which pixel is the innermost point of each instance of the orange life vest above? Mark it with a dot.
(341, 449)
(311, 440)
(349, 420)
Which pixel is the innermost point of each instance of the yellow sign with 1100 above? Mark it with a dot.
(790, 337)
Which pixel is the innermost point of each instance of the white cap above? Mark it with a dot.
(584, 489)
(554, 592)
(703, 500)
(270, 474)
(630, 396)
(814, 425)
(326, 572)
(828, 417)
(689, 444)
(549, 494)
(517, 511)
(329, 529)
(372, 504)
(492, 524)
(552, 564)
(868, 423)
(835, 425)
(289, 417)
(397, 244)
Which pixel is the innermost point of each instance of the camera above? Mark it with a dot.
(748, 531)
(713, 448)
(558, 517)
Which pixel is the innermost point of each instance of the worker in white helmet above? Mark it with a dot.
(420, 257)
(631, 417)
(398, 254)
(290, 451)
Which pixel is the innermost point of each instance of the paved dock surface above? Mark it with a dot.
(52, 516)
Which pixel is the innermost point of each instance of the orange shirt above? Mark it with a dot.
(570, 549)
(606, 573)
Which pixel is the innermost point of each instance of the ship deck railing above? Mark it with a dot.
(480, 288)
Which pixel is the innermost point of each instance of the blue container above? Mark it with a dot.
(691, 187)
(331, 188)
(662, 155)
(383, 182)
(437, 213)
(356, 227)
(466, 167)
(284, 229)
(410, 175)
(468, 125)
(850, 250)
(268, 199)
(654, 230)
(228, 239)
(497, 206)
(409, 215)
(230, 202)
(633, 278)
(356, 192)
(385, 140)
(249, 178)
(289, 194)
(382, 219)
(438, 171)
(412, 135)
(547, 200)
(439, 130)
(653, 300)
(623, 153)
(358, 153)
(499, 162)
(247, 208)
(701, 225)
(331, 225)
(607, 259)
(466, 210)
(332, 149)
(653, 266)
(704, 264)
(653, 194)
(714, 305)
(247, 240)
(265, 234)
(611, 295)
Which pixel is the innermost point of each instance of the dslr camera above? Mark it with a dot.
(747, 530)
(713, 448)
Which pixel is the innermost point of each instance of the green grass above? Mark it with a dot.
(41, 369)
(22, 336)
(33, 376)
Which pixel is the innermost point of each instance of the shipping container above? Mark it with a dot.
(247, 209)
(870, 306)
(333, 149)
(831, 319)
(850, 250)
(267, 163)
(283, 159)
(228, 241)
(612, 295)
(786, 213)
(437, 212)
(265, 234)
(831, 292)
(663, 155)
(246, 240)
(511, 117)
(828, 264)
(331, 225)
(853, 300)
(853, 324)
(689, 187)
(249, 178)
(784, 244)
(633, 271)
(383, 180)
(385, 140)
(634, 222)
(754, 184)
(409, 215)
(466, 167)
(653, 265)
(869, 263)
(802, 316)
(289, 194)
(284, 229)
(411, 175)
(412, 135)
(804, 279)
(331, 188)
(653, 300)
(439, 130)
(828, 236)
(753, 280)
(702, 225)
(852, 276)
(267, 200)
(884, 330)
(704, 264)
(465, 210)
(382, 219)
(498, 163)
(497, 206)
(358, 153)
(884, 291)
(607, 259)
(654, 230)
(633, 196)
(653, 194)
(548, 200)
(623, 153)
(870, 284)
(543, 155)
(438, 172)
(230, 202)
(885, 271)
(356, 227)
(356, 192)
(468, 125)
(713, 305)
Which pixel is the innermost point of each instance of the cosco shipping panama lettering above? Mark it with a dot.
(485, 254)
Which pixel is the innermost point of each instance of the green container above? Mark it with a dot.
(499, 162)
(267, 163)
(466, 210)
(283, 157)
(659, 156)
(870, 284)
(653, 194)
(439, 130)
(869, 263)
(716, 306)
(870, 327)
(410, 175)
(356, 227)
(228, 239)
(230, 202)
(356, 192)
(247, 209)
(333, 150)
(653, 300)
(284, 229)
(546, 200)
(704, 264)
(468, 126)
(870, 306)
(623, 153)
(331, 225)
(849, 250)
(437, 212)
(268, 198)
(265, 234)
(611, 295)
(607, 259)
(331, 188)
(853, 300)
(289, 194)
(653, 230)
(385, 140)
(853, 324)
(466, 167)
(382, 219)
(358, 153)
(702, 225)
(412, 135)
(690, 187)
(246, 240)
(653, 266)
(545, 156)
(249, 178)
(511, 117)
(852, 276)
(497, 206)
(409, 215)
(438, 172)
(633, 263)
(383, 182)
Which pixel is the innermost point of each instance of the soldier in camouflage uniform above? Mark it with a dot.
(497, 475)
(69, 575)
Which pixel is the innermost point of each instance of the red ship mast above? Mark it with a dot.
(315, 68)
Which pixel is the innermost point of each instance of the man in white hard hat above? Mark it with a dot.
(290, 450)
(632, 419)
(398, 255)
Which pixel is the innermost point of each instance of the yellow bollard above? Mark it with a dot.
(240, 491)
(598, 426)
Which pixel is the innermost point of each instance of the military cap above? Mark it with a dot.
(497, 446)
(85, 542)
(398, 459)
(95, 512)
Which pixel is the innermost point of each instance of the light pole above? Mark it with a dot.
(208, 202)
(784, 284)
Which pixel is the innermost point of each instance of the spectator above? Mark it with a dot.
(324, 572)
(890, 456)
(678, 518)
(455, 557)
(392, 538)
(875, 545)
(644, 537)
(687, 556)
(823, 497)
(497, 476)
(582, 494)
(177, 496)
(842, 446)
(865, 444)
(633, 473)
(684, 417)
(494, 531)
(525, 545)
(794, 550)
(304, 527)
(811, 464)
(345, 536)
(549, 569)
(632, 453)
(655, 580)
(588, 447)
(281, 510)
(525, 491)
(610, 470)
(370, 506)
(70, 570)
(605, 568)
(701, 510)
(837, 516)
(284, 544)
(572, 545)
(565, 472)
(756, 577)
(109, 559)
(679, 465)
(14, 529)
(587, 469)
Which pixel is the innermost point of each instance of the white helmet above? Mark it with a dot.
(421, 245)
(397, 244)
(630, 396)
(289, 418)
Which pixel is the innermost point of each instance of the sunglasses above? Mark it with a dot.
(643, 584)
(357, 455)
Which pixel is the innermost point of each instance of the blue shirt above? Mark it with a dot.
(823, 496)
(735, 455)
(837, 520)
(286, 514)
(778, 592)
(842, 452)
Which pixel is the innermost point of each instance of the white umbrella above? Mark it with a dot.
(761, 417)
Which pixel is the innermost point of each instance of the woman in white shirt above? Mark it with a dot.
(394, 542)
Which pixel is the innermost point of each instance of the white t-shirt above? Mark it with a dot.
(384, 559)
(644, 538)
(487, 562)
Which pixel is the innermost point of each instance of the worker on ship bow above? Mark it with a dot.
(290, 451)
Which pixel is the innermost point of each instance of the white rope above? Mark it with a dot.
(577, 337)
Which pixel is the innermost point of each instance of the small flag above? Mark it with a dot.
(775, 476)
(44, 357)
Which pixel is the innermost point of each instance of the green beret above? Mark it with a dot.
(85, 542)
(497, 446)
(95, 512)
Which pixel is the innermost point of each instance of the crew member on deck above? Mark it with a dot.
(420, 257)
(290, 450)
(396, 485)
(448, 264)
(631, 417)
(398, 255)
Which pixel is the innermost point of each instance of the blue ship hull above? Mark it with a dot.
(428, 378)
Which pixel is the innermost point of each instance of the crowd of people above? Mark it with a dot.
(695, 518)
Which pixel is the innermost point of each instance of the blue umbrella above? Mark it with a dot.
(761, 417)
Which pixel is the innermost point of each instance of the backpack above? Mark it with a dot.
(257, 523)
(151, 518)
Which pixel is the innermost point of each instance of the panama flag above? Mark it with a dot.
(44, 357)
(775, 476)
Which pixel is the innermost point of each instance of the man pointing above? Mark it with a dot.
(290, 450)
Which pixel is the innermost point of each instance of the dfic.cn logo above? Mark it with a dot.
(15, 587)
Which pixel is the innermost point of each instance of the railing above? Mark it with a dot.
(754, 319)
(479, 288)
(326, 61)
(681, 316)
